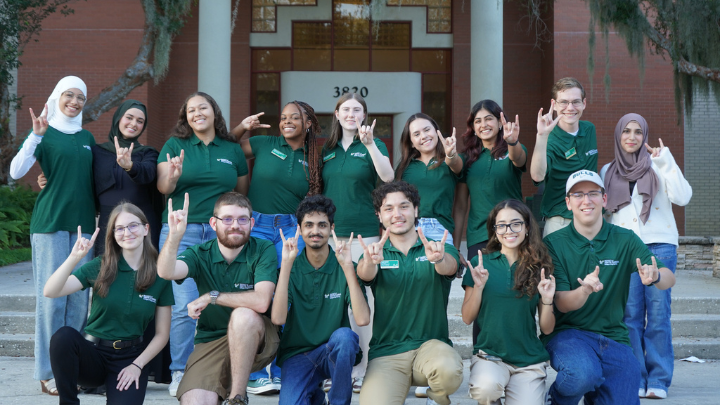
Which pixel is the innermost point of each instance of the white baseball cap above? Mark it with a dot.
(583, 175)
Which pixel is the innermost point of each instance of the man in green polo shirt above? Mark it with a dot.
(236, 276)
(410, 277)
(563, 146)
(317, 285)
(590, 347)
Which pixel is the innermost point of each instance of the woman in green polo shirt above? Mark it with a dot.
(62, 148)
(430, 163)
(503, 289)
(202, 159)
(127, 295)
(353, 164)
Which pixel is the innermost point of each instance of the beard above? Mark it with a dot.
(315, 244)
(233, 241)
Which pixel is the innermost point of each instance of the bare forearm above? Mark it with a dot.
(567, 301)
(667, 279)
(164, 184)
(361, 310)
(538, 165)
(367, 270)
(382, 163)
(167, 260)
(455, 164)
(547, 318)
(255, 300)
(447, 267)
(158, 342)
(54, 285)
(471, 304)
(280, 300)
(517, 155)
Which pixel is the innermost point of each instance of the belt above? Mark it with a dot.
(115, 344)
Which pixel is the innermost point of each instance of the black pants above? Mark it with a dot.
(76, 361)
(472, 252)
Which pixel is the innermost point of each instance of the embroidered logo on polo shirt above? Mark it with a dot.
(591, 152)
(358, 154)
(87, 147)
(148, 298)
(180, 257)
(609, 262)
(227, 162)
(333, 296)
(507, 155)
(421, 259)
(241, 286)
(302, 162)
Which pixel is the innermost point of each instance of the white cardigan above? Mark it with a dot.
(673, 188)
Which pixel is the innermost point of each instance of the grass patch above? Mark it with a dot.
(12, 256)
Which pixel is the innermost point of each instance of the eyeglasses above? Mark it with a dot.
(132, 227)
(565, 103)
(581, 196)
(227, 221)
(70, 95)
(516, 227)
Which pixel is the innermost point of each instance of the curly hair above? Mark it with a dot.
(408, 150)
(182, 128)
(316, 203)
(533, 255)
(473, 143)
(410, 191)
(313, 172)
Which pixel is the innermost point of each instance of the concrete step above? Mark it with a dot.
(695, 325)
(456, 326)
(17, 322)
(17, 302)
(695, 305)
(463, 345)
(17, 345)
(703, 348)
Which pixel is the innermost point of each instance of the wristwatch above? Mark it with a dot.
(213, 296)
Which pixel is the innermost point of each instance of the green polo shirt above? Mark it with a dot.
(68, 199)
(208, 172)
(256, 262)
(489, 181)
(349, 177)
(411, 301)
(507, 320)
(566, 154)
(125, 313)
(319, 301)
(280, 179)
(614, 249)
(437, 190)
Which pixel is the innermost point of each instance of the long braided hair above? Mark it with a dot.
(312, 171)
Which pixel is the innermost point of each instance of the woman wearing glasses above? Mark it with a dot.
(641, 184)
(127, 296)
(504, 288)
(62, 148)
(286, 169)
(201, 159)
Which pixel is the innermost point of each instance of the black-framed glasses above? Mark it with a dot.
(565, 103)
(227, 221)
(580, 196)
(132, 227)
(516, 227)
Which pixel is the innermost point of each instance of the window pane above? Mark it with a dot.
(270, 59)
(311, 43)
(266, 98)
(432, 61)
(391, 47)
(436, 99)
(351, 60)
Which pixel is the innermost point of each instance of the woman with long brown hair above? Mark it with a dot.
(504, 288)
(127, 295)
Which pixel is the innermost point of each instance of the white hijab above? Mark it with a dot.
(56, 118)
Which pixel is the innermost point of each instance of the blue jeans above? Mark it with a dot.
(652, 342)
(591, 365)
(433, 229)
(182, 327)
(49, 251)
(305, 372)
(267, 226)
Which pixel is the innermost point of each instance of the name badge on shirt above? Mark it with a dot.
(279, 154)
(328, 157)
(390, 264)
(570, 153)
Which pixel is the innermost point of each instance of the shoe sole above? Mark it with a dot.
(269, 389)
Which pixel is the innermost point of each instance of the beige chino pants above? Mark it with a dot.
(522, 385)
(553, 224)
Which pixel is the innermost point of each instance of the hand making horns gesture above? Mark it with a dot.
(479, 273)
(511, 130)
(434, 251)
(40, 124)
(175, 168)
(253, 122)
(546, 123)
(124, 155)
(342, 249)
(655, 152)
(449, 144)
(290, 246)
(177, 220)
(592, 283)
(374, 252)
(366, 133)
(546, 288)
(82, 246)
(648, 273)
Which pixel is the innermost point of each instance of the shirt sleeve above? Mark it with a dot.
(190, 257)
(381, 147)
(88, 272)
(144, 168)
(241, 162)
(168, 148)
(452, 251)
(25, 158)
(467, 278)
(166, 297)
(266, 266)
(678, 189)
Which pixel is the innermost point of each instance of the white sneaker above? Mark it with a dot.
(431, 402)
(421, 392)
(176, 377)
(656, 393)
(641, 393)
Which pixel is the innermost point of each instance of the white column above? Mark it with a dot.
(486, 54)
(214, 52)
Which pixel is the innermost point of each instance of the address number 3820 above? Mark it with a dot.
(339, 91)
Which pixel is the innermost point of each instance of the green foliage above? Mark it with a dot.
(16, 207)
(8, 257)
(167, 17)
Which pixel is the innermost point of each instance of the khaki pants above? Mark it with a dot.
(553, 224)
(522, 385)
(434, 364)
